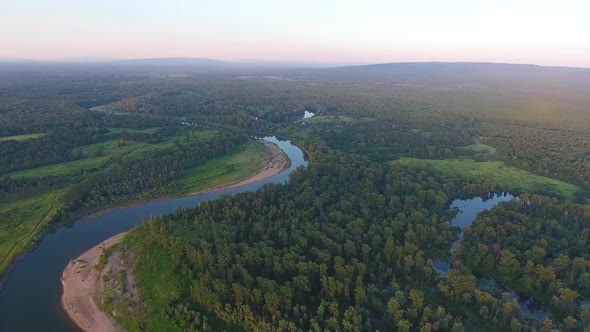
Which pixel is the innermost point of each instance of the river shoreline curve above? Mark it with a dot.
(79, 277)
(279, 162)
(79, 289)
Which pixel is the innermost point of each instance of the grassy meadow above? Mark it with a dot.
(507, 177)
(227, 169)
(21, 220)
(22, 137)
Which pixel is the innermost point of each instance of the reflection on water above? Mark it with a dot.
(467, 212)
(469, 208)
(30, 295)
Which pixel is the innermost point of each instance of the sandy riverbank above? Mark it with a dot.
(79, 277)
(79, 287)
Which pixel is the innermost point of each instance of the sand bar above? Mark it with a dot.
(79, 277)
(79, 283)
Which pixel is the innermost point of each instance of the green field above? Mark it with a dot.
(131, 130)
(22, 137)
(480, 148)
(67, 168)
(422, 132)
(20, 222)
(507, 177)
(227, 169)
(329, 119)
(111, 148)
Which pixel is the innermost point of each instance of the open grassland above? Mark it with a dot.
(95, 155)
(329, 119)
(67, 168)
(507, 177)
(22, 137)
(20, 222)
(480, 148)
(133, 131)
(226, 169)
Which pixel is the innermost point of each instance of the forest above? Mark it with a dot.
(350, 242)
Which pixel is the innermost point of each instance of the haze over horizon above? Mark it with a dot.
(330, 32)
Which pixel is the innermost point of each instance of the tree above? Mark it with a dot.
(508, 262)
(417, 298)
(404, 325)
(461, 283)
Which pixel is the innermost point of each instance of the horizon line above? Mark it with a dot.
(283, 62)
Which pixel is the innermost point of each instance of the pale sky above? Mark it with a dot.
(545, 32)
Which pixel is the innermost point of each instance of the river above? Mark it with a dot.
(30, 295)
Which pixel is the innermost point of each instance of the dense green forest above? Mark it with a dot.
(536, 245)
(59, 160)
(347, 245)
(350, 242)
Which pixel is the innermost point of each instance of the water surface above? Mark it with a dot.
(30, 297)
(467, 210)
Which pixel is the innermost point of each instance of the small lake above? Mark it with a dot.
(30, 297)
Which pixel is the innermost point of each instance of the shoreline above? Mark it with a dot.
(79, 288)
(265, 172)
(271, 169)
(278, 163)
(79, 276)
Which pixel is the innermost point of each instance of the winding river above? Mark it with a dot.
(30, 294)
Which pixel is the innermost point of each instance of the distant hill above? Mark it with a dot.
(459, 69)
(173, 62)
(206, 62)
(463, 73)
(15, 60)
(90, 59)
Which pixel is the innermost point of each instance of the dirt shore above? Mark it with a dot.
(79, 277)
(79, 286)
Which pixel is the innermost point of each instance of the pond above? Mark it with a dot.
(30, 297)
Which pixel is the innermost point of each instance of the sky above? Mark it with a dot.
(542, 32)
